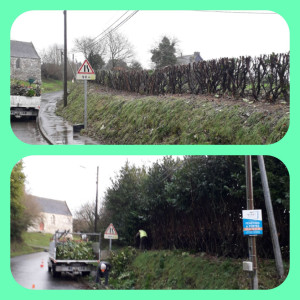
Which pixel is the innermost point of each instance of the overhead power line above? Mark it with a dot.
(110, 26)
(238, 12)
(115, 28)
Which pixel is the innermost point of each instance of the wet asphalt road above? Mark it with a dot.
(27, 271)
(57, 130)
(27, 131)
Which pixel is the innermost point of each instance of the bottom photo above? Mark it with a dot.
(149, 222)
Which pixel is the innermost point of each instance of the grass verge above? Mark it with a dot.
(32, 242)
(181, 270)
(51, 85)
(135, 119)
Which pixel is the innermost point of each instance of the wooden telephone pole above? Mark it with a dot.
(65, 60)
(250, 206)
(96, 205)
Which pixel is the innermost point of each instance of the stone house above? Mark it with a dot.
(54, 215)
(25, 62)
(187, 59)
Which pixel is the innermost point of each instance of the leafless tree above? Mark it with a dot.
(32, 212)
(52, 63)
(52, 55)
(119, 48)
(87, 45)
(85, 217)
(52, 59)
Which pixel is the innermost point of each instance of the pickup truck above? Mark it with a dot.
(69, 263)
(24, 101)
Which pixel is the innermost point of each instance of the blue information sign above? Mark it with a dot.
(252, 222)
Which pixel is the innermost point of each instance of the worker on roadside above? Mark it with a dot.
(142, 234)
(103, 270)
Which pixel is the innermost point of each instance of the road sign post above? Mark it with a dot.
(85, 72)
(85, 104)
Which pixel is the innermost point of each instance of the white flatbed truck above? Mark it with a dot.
(72, 266)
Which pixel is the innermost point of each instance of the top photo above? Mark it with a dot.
(190, 77)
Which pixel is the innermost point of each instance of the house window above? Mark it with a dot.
(53, 219)
(18, 63)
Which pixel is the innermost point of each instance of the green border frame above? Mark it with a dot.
(12, 149)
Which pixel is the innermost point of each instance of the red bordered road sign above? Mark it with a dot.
(86, 72)
(111, 232)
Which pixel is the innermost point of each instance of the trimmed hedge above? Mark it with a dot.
(265, 77)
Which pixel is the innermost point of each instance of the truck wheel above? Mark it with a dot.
(54, 273)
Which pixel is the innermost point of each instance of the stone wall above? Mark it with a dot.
(25, 68)
(51, 223)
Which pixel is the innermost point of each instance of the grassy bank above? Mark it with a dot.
(182, 270)
(51, 85)
(32, 242)
(134, 119)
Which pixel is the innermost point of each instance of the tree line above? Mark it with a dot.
(114, 52)
(23, 211)
(194, 204)
(115, 49)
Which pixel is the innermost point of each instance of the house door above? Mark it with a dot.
(41, 226)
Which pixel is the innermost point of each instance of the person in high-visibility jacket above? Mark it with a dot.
(142, 234)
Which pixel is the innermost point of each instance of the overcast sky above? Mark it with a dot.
(73, 178)
(214, 34)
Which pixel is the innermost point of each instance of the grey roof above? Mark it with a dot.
(186, 59)
(52, 206)
(23, 49)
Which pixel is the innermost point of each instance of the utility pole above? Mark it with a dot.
(250, 206)
(61, 62)
(96, 206)
(271, 219)
(65, 59)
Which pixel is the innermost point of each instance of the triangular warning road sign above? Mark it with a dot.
(86, 68)
(111, 232)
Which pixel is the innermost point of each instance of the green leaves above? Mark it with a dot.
(17, 187)
(74, 250)
(196, 203)
(164, 54)
(121, 259)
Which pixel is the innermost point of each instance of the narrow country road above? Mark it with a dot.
(31, 272)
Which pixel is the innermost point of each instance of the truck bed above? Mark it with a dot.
(24, 106)
(23, 101)
(73, 266)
